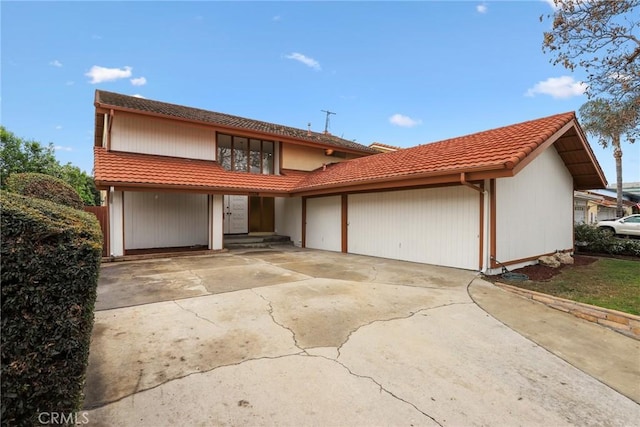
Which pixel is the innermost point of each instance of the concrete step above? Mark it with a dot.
(245, 241)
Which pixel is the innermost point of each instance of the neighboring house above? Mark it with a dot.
(179, 176)
(606, 205)
(585, 207)
(383, 148)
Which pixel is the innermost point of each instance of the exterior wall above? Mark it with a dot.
(116, 223)
(580, 211)
(300, 157)
(324, 219)
(433, 226)
(165, 220)
(534, 209)
(288, 212)
(148, 135)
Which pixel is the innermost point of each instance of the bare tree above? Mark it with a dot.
(602, 37)
(609, 120)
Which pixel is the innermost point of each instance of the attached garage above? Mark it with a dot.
(431, 225)
(323, 223)
(165, 220)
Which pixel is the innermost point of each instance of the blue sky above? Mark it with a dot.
(400, 73)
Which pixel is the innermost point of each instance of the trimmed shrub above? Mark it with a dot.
(50, 260)
(590, 238)
(44, 187)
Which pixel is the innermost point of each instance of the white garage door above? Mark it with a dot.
(164, 220)
(433, 226)
(324, 223)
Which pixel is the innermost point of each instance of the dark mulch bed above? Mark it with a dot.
(539, 272)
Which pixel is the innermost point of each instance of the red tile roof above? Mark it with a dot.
(143, 170)
(131, 103)
(491, 153)
(497, 149)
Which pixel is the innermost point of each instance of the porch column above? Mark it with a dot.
(116, 222)
(216, 213)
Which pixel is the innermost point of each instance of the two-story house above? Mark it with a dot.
(177, 176)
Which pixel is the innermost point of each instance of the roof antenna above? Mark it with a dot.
(309, 129)
(326, 122)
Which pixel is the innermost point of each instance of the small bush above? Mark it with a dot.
(44, 187)
(50, 259)
(590, 238)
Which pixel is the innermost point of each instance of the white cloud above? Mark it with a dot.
(100, 74)
(482, 8)
(55, 63)
(403, 121)
(62, 148)
(137, 95)
(58, 127)
(139, 81)
(309, 62)
(558, 87)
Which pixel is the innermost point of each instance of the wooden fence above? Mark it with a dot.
(102, 213)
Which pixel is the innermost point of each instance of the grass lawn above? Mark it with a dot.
(607, 282)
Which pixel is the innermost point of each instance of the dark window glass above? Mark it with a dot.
(240, 154)
(237, 153)
(224, 151)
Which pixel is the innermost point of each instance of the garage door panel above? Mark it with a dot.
(324, 223)
(435, 226)
(165, 220)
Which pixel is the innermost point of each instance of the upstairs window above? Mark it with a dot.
(237, 153)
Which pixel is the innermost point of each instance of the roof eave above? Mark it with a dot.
(452, 176)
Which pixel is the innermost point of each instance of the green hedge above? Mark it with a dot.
(50, 261)
(590, 238)
(44, 187)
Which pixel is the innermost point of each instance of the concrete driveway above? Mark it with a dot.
(293, 337)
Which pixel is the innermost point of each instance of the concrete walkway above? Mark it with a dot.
(298, 337)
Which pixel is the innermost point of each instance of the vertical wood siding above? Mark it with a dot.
(323, 223)
(433, 226)
(148, 135)
(165, 220)
(289, 218)
(534, 209)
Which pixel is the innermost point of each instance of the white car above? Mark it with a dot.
(626, 226)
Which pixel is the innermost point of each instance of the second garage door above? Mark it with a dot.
(434, 226)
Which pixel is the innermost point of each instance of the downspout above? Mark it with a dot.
(464, 182)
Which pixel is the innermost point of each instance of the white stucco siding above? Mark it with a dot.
(165, 220)
(148, 135)
(324, 228)
(433, 226)
(288, 212)
(534, 209)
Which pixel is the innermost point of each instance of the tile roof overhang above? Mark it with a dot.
(110, 102)
(144, 172)
(495, 153)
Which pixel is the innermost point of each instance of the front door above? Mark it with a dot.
(235, 215)
(261, 214)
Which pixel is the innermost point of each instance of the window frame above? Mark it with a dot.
(262, 154)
